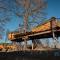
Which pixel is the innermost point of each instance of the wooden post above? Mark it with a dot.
(53, 27)
(55, 39)
(25, 44)
(25, 38)
(32, 45)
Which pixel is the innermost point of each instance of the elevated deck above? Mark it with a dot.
(44, 30)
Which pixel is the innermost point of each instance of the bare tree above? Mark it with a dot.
(32, 8)
(29, 8)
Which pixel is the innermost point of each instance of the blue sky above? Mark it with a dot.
(53, 9)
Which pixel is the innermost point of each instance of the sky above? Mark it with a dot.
(53, 9)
